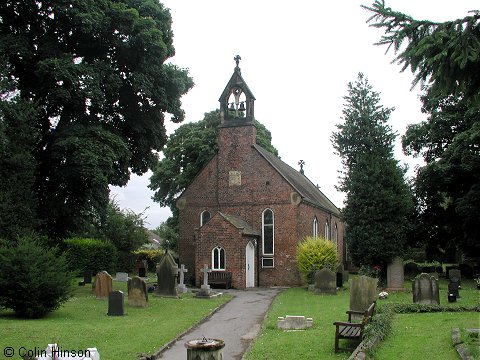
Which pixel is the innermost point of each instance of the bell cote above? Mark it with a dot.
(236, 101)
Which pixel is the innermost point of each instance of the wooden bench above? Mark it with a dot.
(220, 278)
(351, 330)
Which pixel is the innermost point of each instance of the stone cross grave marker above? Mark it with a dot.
(137, 292)
(167, 271)
(103, 285)
(325, 282)
(116, 303)
(395, 274)
(181, 285)
(205, 290)
(425, 290)
(363, 291)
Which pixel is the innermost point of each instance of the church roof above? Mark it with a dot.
(240, 224)
(302, 185)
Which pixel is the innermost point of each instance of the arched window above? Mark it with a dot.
(268, 233)
(327, 231)
(204, 217)
(335, 234)
(218, 258)
(315, 228)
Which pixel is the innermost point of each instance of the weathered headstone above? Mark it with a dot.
(205, 290)
(121, 276)
(363, 291)
(103, 285)
(87, 276)
(116, 303)
(340, 275)
(395, 275)
(455, 275)
(181, 288)
(325, 282)
(167, 276)
(290, 322)
(454, 287)
(425, 290)
(448, 269)
(137, 292)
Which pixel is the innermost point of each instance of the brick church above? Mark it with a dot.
(246, 210)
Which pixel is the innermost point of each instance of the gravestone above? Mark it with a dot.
(103, 285)
(290, 322)
(116, 303)
(454, 286)
(181, 288)
(455, 275)
(448, 269)
(363, 291)
(325, 282)
(167, 276)
(205, 291)
(340, 275)
(395, 275)
(141, 267)
(121, 276)
(137, 292)
(425, 290)
(87, 277)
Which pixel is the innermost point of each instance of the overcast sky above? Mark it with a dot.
(297, 58)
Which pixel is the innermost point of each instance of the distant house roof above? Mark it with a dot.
(154, 239)
(240, 224)
(305, 188)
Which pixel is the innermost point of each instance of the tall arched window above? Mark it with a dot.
(327, 231)
(335, 234)
(268, 233)
(204, 217)
(315, 228)
(218, 258)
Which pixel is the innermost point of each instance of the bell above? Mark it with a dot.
(242, 106)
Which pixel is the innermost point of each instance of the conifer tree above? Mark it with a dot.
(378, 202)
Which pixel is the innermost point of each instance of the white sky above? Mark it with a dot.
(297, 58)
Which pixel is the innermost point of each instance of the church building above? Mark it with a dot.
(246, 210)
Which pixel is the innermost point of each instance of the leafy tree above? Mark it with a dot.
(313, 254)
(168, 235)
(95, 71)
(445, 58)
(186, 152)
(378, 202)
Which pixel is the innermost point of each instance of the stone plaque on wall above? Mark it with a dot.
(234, 178)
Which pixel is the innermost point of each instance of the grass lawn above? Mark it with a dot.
(414, 336)
(83, 322)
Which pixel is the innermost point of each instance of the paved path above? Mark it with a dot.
(237, 323)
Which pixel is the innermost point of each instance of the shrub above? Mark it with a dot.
(315, 253)
(34, 279)
(90, 254)
(151, 255)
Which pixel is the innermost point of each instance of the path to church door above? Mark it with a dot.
(250, 265)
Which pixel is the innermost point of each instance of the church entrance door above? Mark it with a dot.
(250, 265)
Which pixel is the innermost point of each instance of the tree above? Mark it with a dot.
(168, 235)
(378, 202)
(445, 58)
(186, 152)
(96, 72)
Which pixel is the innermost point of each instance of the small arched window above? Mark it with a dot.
(268, 233)
(315, 227)
(327, 231)
(218, 258)
(335, 234)
(204, 217)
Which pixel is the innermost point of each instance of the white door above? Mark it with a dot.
(250, 265)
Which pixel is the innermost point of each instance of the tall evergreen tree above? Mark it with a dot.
(96, 72)
(445, 58)
(378, 202)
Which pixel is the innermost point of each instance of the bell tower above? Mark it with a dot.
(236, 101)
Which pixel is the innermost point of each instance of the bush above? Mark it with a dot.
(151, 255)
(90, 254)
(34, 279)
(313, 254)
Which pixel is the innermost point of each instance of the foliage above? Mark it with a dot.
(35, 280)
(186, 152)
(445, 58)
(168, 235)
(90, 254)
(152, 256)
(378, 203)
(380, 325)
(313, 254)
(371, 271)
(96, 74)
